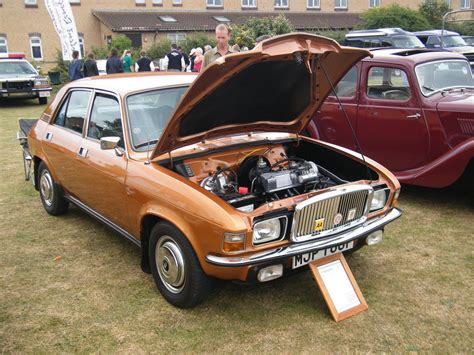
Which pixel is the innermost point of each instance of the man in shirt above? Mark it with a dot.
(143, 64)
(114, 63)
(174, 61)
(222, 48)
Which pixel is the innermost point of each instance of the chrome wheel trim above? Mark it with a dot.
(47, 188)
(170, 264)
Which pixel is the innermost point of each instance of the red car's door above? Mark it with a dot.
(63, 136)
(103, 171)
(330, 119)
(391, 125)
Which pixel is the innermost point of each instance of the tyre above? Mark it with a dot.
(43, 100)
(175, 267)
(51, 194)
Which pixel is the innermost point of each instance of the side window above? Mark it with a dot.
(347, 86)
(388, 84)
(105, 120)
(74, 110)
(433, 41)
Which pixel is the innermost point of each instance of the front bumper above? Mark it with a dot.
(306, 247)
(46, 92)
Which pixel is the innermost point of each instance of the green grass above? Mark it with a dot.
(417, 283)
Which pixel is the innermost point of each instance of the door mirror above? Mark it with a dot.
(107, 143)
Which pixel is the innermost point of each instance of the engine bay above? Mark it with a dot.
(248, 178)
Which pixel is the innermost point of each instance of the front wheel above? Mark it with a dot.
(175, 267)
(51, 193)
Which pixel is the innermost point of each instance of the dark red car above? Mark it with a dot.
(412, 110)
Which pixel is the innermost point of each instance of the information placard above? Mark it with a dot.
(338, 286)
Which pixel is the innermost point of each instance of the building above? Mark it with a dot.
(146, 21)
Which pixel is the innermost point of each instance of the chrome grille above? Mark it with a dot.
(350, 202)
(466, 125)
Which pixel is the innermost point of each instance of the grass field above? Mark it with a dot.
(68, 284)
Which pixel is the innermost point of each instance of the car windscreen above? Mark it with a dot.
(149, 113)
(407, 42)
(437, 76)
(7, 68)
(453, 41)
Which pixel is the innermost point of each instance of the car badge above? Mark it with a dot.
(351, 214)
(318, 225)
(337, 218)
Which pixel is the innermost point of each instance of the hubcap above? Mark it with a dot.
(46, 187)
(170, 264)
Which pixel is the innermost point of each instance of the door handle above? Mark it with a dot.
(82, 152)
(416, 116)
(48, 136)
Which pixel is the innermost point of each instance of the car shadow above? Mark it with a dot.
(17, 102)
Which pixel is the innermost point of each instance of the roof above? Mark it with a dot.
(378, 32)
(436, 33)
(146, 20)
(415, 56)
(123, 84)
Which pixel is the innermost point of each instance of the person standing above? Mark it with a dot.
(198, 60)
(222, 48)
(143, 63)
(114, 63)
(174, 61)
(185, 58)
(89, 68)
(75, 67)
(127, 61)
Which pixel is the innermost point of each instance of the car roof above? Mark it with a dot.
(436, 33)
(123, 84)
(378, 32)
(415, 55)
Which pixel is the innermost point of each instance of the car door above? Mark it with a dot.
(63, 136)
(331, 120)
(391, 125)
(103, 172)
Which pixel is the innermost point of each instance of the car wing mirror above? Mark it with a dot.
(107, 143)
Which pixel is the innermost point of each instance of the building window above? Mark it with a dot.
(3, 45)
(214, 3)
(221, 18)
(279, 4)
(177, 2)
(157, 2)
(36, 48)
(81, 46)
(177, 38)
(249, 3)
(74, 2)
(465, 4)
(140, 2)
(31, 2)
(167, 18)
(313, 4)
(340, 4)
(374, 3)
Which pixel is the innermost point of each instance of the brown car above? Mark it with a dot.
(209, 174)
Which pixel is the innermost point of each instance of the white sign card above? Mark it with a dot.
(65, 26)
(338, 286)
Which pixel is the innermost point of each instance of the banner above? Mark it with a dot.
(64, 24)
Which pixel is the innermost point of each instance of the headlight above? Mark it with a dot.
(41, 82)
(269, 230)
(378, 200)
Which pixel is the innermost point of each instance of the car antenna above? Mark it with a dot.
(347, 119)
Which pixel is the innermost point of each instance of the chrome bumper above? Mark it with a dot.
(306, 247)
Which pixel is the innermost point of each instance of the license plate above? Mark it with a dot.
(303, 259)
(44, 93)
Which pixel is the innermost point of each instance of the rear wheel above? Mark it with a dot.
(51, 194)
(175, 267)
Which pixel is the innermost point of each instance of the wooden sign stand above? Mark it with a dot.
(338, 286)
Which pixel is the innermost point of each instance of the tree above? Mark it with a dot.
(159, 49)
(245, 35)
(394, 16)
(198, 40)
(121, 42)
(433, 10)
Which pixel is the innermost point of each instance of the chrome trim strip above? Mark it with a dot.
(306, 247)
(104, 220)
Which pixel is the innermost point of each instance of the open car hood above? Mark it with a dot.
(276, 87)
